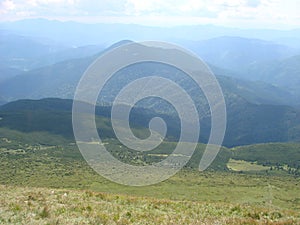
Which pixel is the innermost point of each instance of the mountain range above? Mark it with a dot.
(238, 57)
(80, 34)
(284, 73)
(60, 79)
(259, 78)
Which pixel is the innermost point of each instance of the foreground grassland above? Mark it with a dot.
(54, 185)
(21, 205)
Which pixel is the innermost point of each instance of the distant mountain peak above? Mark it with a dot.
(120, 43)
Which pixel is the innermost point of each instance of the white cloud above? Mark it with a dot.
(253, 3)
(6, 6)
(255, 13)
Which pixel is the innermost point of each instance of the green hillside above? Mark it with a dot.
(250, 123)
(280, 156)
(246, 123)
(49, 122)
(55, 116)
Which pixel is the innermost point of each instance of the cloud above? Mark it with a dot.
(221, 12)
(253, 3)
(6, 6)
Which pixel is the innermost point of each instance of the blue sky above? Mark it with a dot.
(280, 14)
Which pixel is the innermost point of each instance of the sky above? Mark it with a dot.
(275, 14)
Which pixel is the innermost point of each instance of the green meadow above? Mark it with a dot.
(52, 184)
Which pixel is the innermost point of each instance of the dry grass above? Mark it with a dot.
(24, 205)
(241, 165)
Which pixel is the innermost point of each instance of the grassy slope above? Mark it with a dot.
(62, 206)
(189, 197)
(270, 154)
